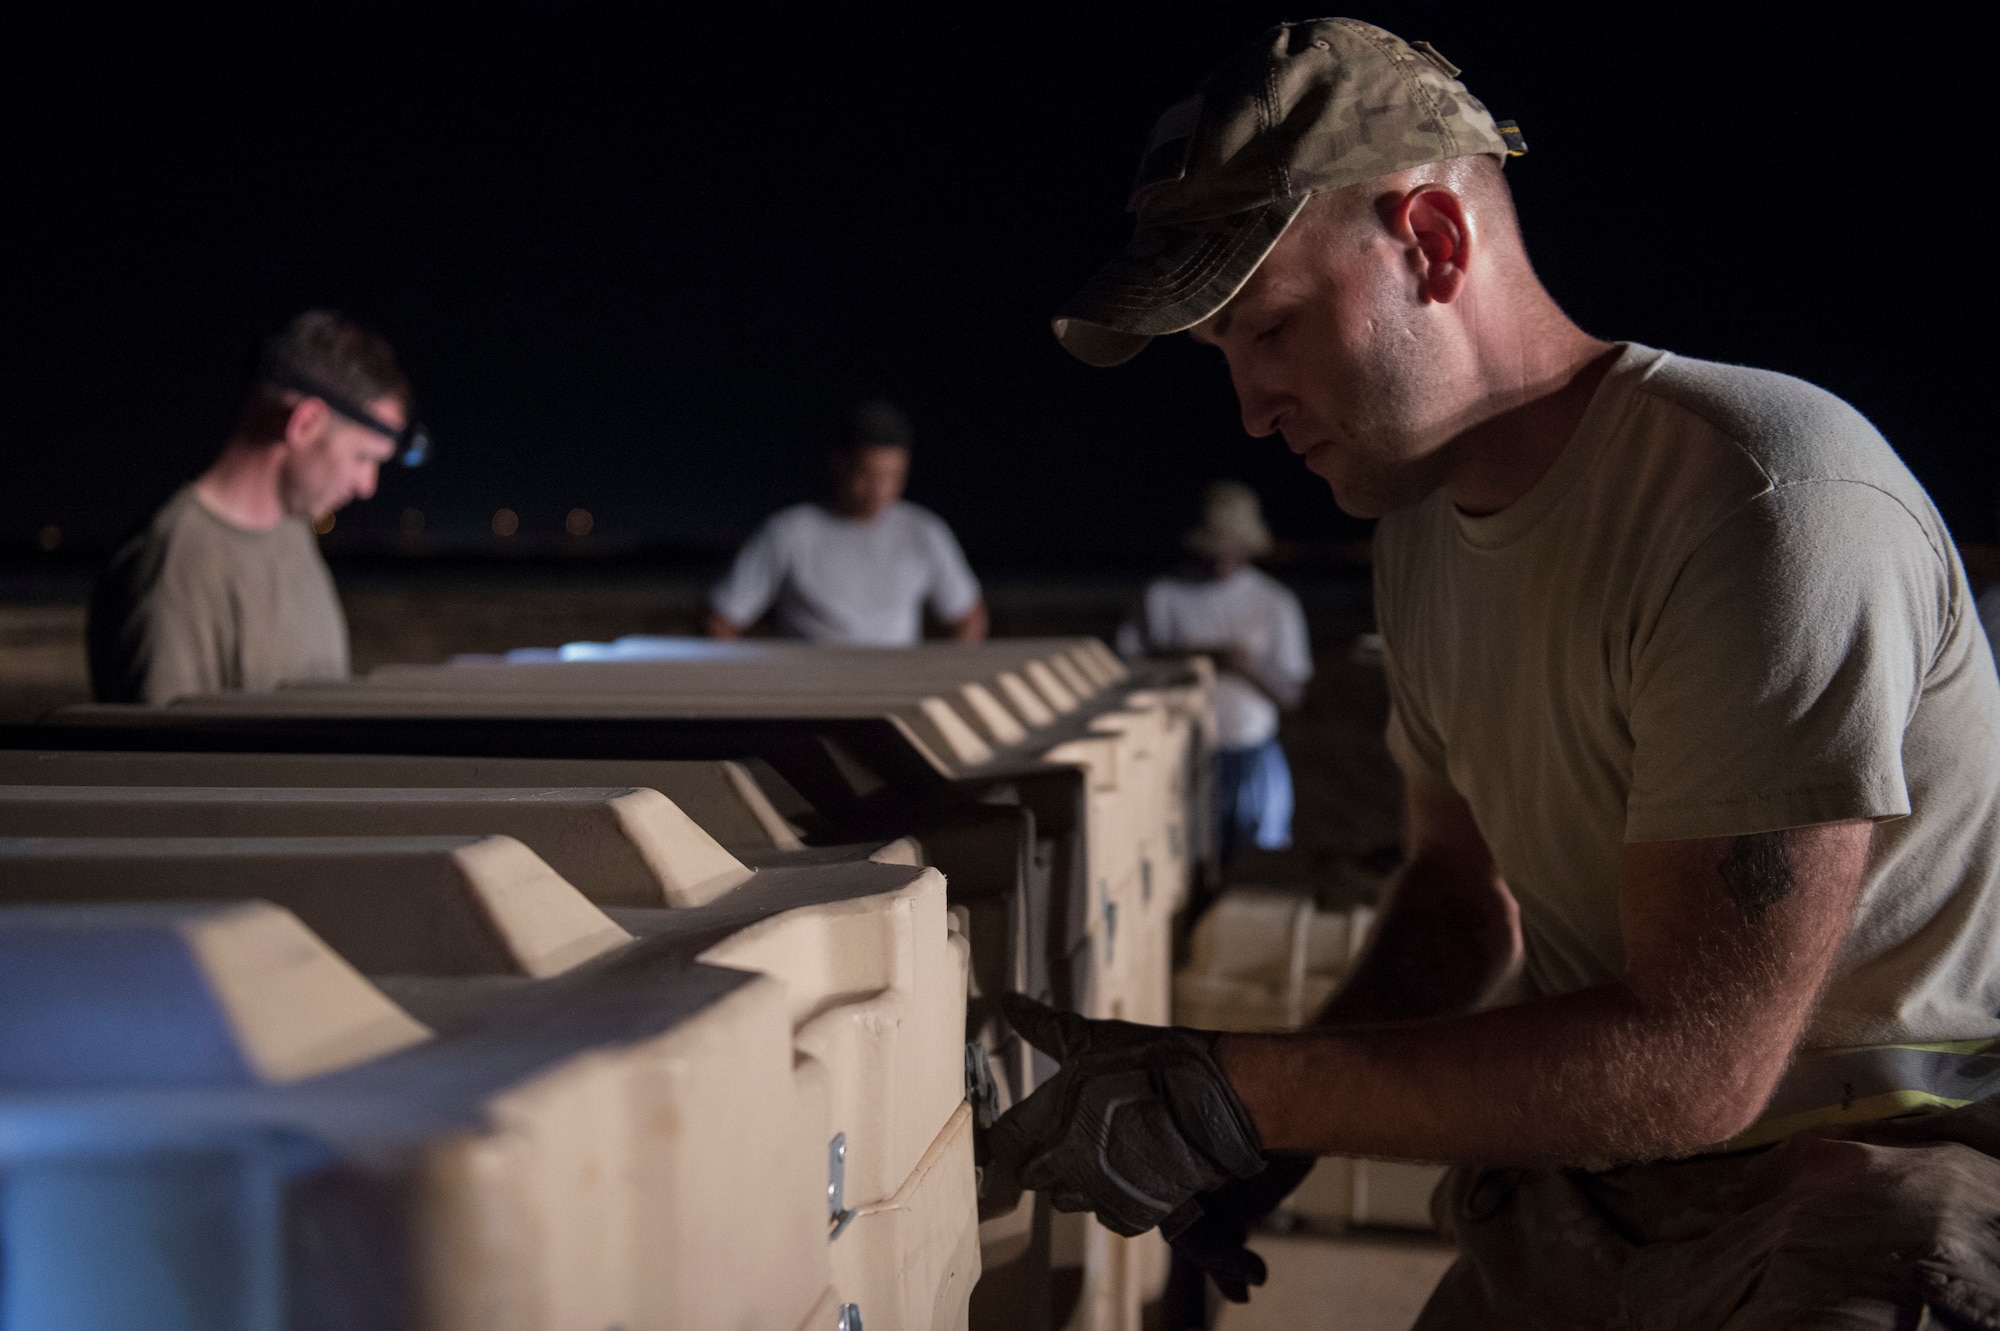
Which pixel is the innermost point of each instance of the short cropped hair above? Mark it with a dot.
(325, 349)
(1478, 179)
(879, 423)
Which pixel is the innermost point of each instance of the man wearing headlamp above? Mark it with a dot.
(224, 588)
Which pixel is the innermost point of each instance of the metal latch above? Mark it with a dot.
(979, 1088)
(850, 1317)
(837, 1214)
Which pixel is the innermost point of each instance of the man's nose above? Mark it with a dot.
(1262, 408)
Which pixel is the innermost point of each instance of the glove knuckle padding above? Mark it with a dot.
(1209, 1114)
(1137, 1120)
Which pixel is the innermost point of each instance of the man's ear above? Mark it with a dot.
(307, 422)
(1435, 224)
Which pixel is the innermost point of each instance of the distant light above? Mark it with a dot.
(412, 523)
(323, 524)
(579, 522)
(506, 522)
(50, 535)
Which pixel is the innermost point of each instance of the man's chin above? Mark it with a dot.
(1361, 495)
(1351, 494)
(1352, 507)
(313, 514)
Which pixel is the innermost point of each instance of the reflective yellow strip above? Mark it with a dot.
(1891, 1105)
(1982, 1045)
(1858, 1084)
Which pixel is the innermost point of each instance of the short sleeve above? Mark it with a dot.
(1291, 649)
(185, 644)
(1413, 743)
(754, 579)
(953, 590)
(160, 626)
(1775, 684)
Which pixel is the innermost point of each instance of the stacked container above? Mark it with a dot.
(670, 865)
(534, 1110)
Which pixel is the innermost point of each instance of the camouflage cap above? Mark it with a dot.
(1307, 107)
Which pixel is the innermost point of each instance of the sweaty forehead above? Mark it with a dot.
(1274, 281)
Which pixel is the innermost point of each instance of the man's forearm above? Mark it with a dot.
(1723, 966)
(1284, 692)
(1588, 1077)
(972, 625)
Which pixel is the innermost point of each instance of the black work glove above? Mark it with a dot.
(1217, 1242)
(1137, 1122)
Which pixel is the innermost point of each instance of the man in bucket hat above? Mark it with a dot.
(1701, 749)
(1254, 628)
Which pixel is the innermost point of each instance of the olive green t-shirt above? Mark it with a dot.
(1727, 608)
(194, 603)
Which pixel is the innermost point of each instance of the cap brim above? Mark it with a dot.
(1166, 280)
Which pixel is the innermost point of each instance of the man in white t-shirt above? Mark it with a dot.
(1700, 740)
(1252, 626)
(859, 571)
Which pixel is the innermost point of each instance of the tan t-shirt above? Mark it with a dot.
(1727, 608)
(196, 604)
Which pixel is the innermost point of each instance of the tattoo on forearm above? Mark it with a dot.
(1756, 872)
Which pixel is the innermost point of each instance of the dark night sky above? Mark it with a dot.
(637, 261)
